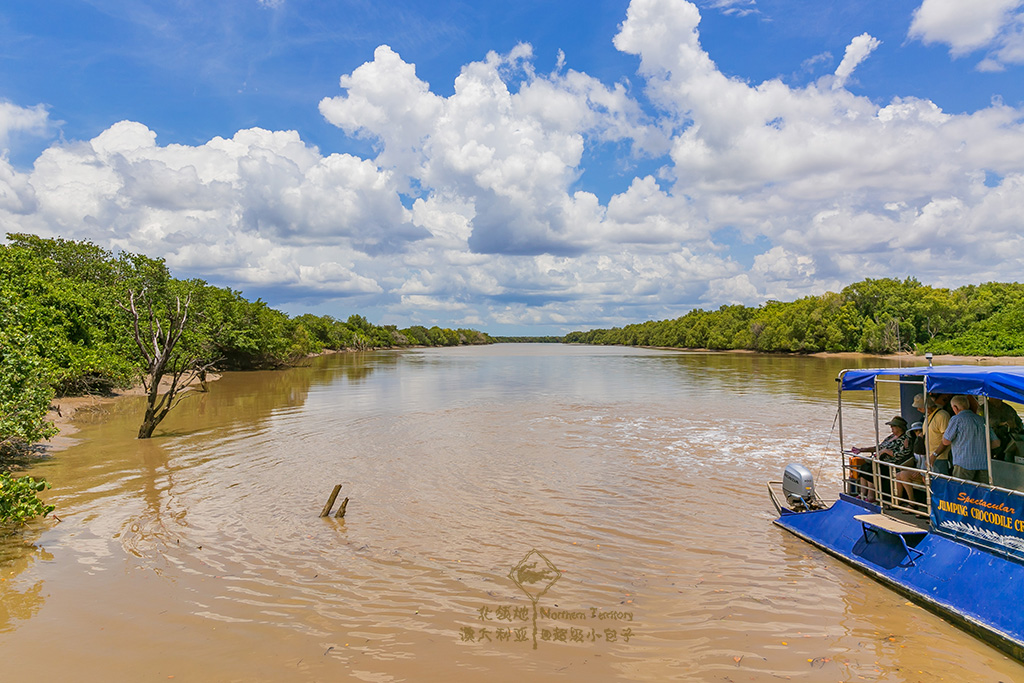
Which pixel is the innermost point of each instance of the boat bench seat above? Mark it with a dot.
(872, 524)
(886, 523)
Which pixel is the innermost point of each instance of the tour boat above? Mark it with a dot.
(957, 548)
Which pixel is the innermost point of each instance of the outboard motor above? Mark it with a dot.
(798, 487)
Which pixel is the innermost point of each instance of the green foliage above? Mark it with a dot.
(417, 335)
(25, 392)
(71, 325)
(871, 316)
(236, 333)
(1000, 334)
(18, 500)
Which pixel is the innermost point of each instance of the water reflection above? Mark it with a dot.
(156, 486)
(21, 595)
(352, 367)
(764, 375)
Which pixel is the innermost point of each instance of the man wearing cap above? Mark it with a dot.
(966, 435)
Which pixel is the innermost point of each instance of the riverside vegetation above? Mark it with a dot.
(77, 319)
(873, 316)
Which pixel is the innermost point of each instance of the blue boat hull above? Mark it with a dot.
(977, 590)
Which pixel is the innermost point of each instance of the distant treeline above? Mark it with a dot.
(528, 340)
(873, 316)
(65, 328)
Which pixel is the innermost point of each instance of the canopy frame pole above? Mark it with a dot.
(875, 470)
(988, 442)
(850, 475)
(927, 452)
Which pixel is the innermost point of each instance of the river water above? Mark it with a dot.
(517, 512)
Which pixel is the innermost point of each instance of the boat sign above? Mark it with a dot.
(989, 517)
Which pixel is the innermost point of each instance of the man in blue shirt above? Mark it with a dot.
(966, 436)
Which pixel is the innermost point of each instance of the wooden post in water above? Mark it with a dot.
(330, 501)
(341, 510)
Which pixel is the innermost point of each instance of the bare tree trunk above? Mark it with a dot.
(158, 349)
(891, 337)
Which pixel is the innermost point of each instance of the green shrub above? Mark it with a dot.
(18, 500)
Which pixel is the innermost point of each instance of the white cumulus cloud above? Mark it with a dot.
(856, 52)
(510, 155)
(993, 25)
(243, 208)
(29, 120)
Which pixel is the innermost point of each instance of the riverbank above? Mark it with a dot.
(936, 360)
(63, 410)
(907, 357)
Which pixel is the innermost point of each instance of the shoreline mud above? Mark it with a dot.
(63, 410)
(938, 360)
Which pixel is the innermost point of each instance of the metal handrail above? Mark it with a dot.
(890, 499)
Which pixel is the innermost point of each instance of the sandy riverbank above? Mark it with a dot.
(63, 410)
(936, 360)
(905, 357)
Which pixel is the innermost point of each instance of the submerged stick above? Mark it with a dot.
(341, 510)
(330, 501)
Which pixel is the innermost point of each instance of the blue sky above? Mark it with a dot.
(522, 168)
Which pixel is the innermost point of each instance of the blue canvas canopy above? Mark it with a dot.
(1005, 382)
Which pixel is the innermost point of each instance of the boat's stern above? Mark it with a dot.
(797, 491)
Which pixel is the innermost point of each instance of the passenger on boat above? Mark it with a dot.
(1000, 413)
(919, 403)
(1006, 423)
(895, 448)
(936, 420)
(905, 478)
(966, 435)
(896, 444)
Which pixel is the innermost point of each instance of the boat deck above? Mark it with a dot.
(936, 571)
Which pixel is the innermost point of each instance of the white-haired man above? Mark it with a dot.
(966, 437)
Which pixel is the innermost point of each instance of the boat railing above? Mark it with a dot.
(866, 476)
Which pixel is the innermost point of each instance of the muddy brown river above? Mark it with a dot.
(517, 512)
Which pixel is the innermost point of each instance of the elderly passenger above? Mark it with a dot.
(1006, 423)
(895, 448)
(966, 435)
